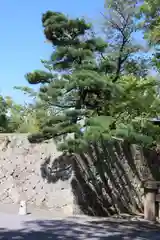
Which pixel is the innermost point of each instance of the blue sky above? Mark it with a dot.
(22, 40)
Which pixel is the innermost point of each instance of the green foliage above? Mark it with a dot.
(15, 117)
(26, 90)
(3, 115)
(88, 92)
(149, 11)
(120, 28)
(151, 23)
(21, 119)
(92, 87)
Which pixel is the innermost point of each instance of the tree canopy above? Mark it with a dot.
(94, 85)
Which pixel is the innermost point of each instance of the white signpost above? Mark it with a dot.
(23, 208)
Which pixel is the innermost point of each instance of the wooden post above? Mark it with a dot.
(150, 190)
(150, 205)
(158, 201)
(159, 210)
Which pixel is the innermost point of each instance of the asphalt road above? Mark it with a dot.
(29, 227)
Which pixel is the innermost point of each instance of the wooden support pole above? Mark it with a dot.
(150, 205)
(158, 210)
(158, 202)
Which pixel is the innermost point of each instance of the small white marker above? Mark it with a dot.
(23, 208)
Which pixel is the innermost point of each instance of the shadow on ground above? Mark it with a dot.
(80, 229)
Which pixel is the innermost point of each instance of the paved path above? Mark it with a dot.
(28, 227)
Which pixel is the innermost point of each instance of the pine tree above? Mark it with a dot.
(79, 91)
(85, 94)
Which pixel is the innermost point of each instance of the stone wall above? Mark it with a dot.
(105, 180)
(23, 173)
(108, 177)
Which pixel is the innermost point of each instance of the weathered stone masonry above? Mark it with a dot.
(22, 171)
(107, 179)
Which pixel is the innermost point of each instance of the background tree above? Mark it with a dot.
(149, 11)
(23, 118)
(3, 115)
(150, 25)
(120, 27)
